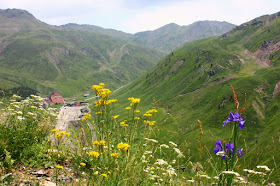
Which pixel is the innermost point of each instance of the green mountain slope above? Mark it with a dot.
(36, 56)
(193, 82)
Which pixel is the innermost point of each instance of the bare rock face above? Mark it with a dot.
(276, 89)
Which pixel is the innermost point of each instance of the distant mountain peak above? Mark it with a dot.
(15, 13)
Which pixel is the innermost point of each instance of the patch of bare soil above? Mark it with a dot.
(175, 67)
(262, 54)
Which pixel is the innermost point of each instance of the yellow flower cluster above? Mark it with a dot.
(82, 164)
(150, 113)
(94, 154)
(61, 134)
(128, 108)
(136, 118)
(123, 146)
(134, 101)
(86, 116)
(105, 102)
(99, 143)
(150, 123)
(116, 116)
(115, 155)
(123, 124)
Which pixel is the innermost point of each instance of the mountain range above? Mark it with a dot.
(37, 57)
(165, 38)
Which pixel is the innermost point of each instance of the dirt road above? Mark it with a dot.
(67, 114)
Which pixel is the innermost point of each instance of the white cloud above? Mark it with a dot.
(184, 13)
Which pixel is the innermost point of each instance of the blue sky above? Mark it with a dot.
(140, 15)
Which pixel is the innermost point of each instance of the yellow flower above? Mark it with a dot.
(134, 101)
(102, 143)
(136, 118)
(136, 111)
(115, 155)
(104, 175)
(99, 143)
(150, 123)
(101, 84)
(58, 135)
(123, 124)
(123, 146)
(147, 115)
(116, 116)
(82, 164)
(59, 167)
(54, 130)
(109, 172)
(94, 154)
(100, 112)
(128, 108)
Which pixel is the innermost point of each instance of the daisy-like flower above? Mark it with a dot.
(82, 164)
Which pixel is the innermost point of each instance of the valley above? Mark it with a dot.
(174, 86)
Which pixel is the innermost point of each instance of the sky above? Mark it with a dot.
(133, 16)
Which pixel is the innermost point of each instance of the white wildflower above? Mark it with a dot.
(148, 152)
(152, 140)
(172, 143)
(20, 118)
(18, 112)
(16, 106)
(96, 173)
(230, 172)
(263, 167)
(163, 145)
(173, 162)
(204, 176)
(190, 181)
(177, 150)
(31, 114)
(161, 162)
(33, 107)
(171, 171)
(220, 153)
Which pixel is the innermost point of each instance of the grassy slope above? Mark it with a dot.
(209, 98)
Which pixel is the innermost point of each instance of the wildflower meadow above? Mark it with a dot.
(112, 149)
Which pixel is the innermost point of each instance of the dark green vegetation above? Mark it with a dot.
(165, 38)
(193, 82)
(36, 56)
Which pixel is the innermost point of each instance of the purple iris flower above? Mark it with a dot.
(226, 149)
(235, 117)
(219, 148)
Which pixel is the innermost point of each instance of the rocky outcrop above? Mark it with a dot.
(276, 89)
